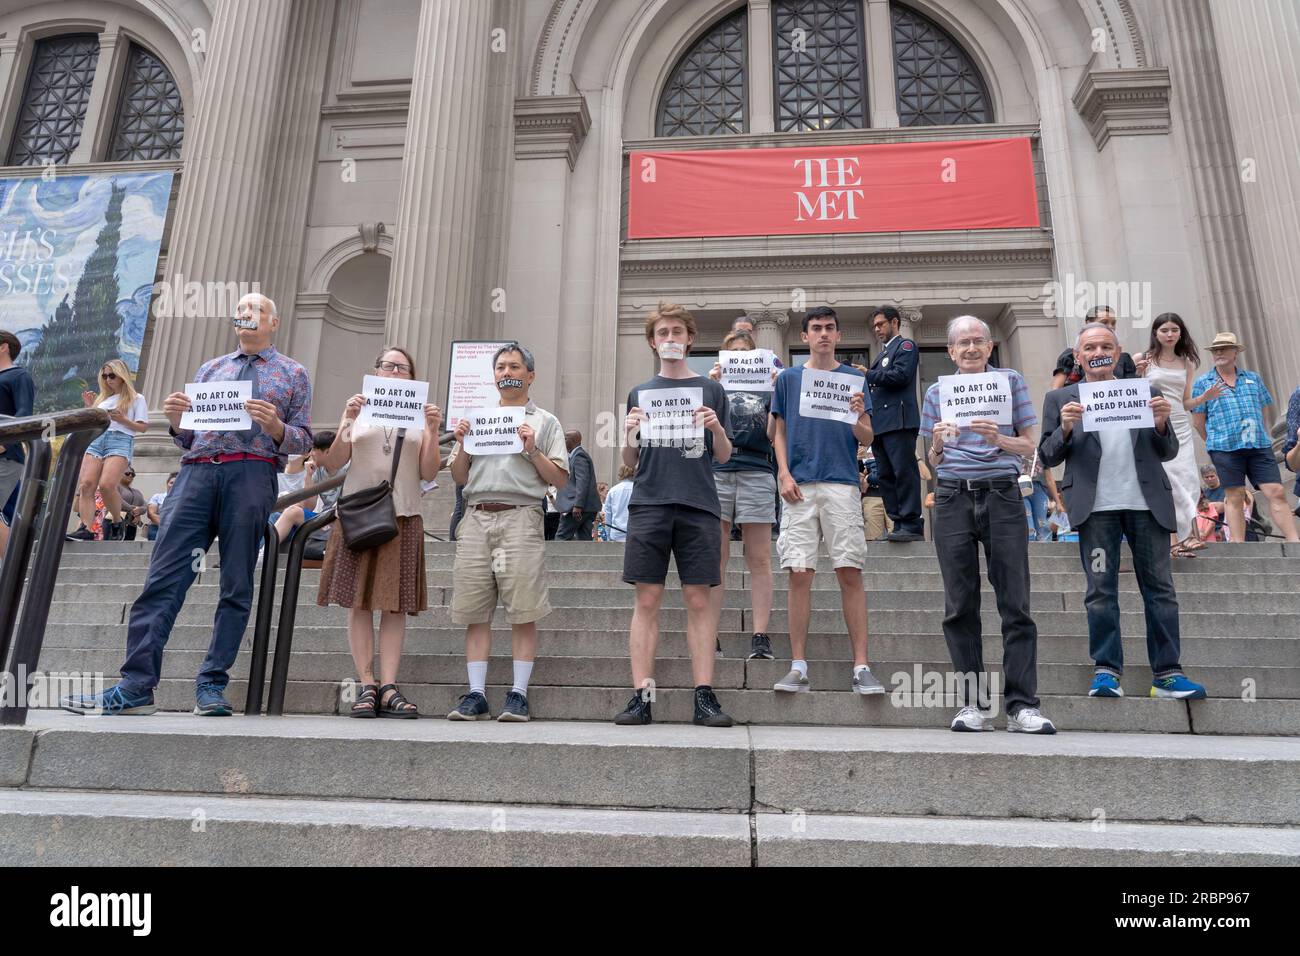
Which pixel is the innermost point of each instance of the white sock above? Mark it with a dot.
(523, 671)
(801, 667)
(477, 676)
(859, 668)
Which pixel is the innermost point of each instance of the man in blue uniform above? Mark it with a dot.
(896, 420)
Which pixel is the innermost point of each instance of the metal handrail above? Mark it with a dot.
(49, 514)
(266, 593)
(289, 610)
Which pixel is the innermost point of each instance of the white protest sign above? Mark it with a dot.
(495, 431)
(471, 383)
(748, 371)
(670, 416)
(393, 402)
(1118, 405)
(827, 394)
(218, 406)
(963, 398)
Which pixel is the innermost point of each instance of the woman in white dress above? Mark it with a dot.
(1170, 362)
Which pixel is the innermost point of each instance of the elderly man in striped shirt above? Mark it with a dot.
(978, 502)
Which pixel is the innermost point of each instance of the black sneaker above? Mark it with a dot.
(708, 712)
(718, 652)
(637, 712)
(81, 534)
(760, 648)
(515, 709)
(471, 706)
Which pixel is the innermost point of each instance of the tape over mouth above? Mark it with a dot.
(510, 383)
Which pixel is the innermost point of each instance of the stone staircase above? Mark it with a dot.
(819, 778)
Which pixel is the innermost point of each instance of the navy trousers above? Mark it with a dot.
(230, 501)
(900, 478)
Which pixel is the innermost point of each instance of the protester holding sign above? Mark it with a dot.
(821, 413)
(1115, 488)
(675, 430)
(500, 543)
(109, 456)
(390, 578)
(226, 488)
(978, 504)
(747, 488)
(895, 419)
(1067, 372)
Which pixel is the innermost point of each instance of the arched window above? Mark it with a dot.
(150, 117)
(54, 104)
(705, 93)
(937, 83)
(820, 64)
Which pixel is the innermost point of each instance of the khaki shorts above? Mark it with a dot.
(874, 518)
(500, 554)
(829, 512)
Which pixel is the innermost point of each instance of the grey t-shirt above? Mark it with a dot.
(680, 474)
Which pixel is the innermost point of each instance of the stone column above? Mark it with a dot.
(105, 90)
(430, 290)
(221, 207)
(1029, 340)
(880, 65)
(910, 323)
(769, 330)
(1259, 54)
(759, 69)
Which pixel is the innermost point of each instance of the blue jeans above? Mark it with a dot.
(207, 501)
(1036, 514)
(1099, 541)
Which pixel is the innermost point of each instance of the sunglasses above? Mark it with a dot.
(108, 375)
(128, 474)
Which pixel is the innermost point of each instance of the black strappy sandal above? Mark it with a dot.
(367, 703)
(397, 705)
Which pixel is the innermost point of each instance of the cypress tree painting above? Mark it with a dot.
(78, 258)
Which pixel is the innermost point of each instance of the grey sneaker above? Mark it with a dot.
(970, 719)
(865, 683)
(793, 683)
(1029, 720)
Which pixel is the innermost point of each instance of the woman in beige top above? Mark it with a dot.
(389, 578)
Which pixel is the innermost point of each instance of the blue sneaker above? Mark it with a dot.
(1177, 687)
(211, 702)
(471, 706)
(1105, 685)
(110, 703)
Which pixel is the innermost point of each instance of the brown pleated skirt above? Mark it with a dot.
(387, 578)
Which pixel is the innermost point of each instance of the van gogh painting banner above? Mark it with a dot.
(78, 258)
(891, 187)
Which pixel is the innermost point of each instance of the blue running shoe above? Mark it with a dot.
(471, 706)
(211, 702)
(1177, 687)
(110, 703)
(1105, 685)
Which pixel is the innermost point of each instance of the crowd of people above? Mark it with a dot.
(748, 459)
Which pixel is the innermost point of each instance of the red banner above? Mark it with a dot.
(889, 187)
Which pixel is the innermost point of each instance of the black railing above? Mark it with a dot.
(266, 595)
(47, 514)
(289, 611)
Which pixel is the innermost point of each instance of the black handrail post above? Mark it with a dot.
(289, 611)
(45, 568)
(19, 552)
(262, 629)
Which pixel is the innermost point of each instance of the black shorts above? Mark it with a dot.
(1257, 464)
(691, 536)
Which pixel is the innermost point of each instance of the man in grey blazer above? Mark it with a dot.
(1115, 488)
(578, 501)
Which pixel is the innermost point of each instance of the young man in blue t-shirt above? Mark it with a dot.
(817, 476)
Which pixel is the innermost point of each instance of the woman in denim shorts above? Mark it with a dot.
(109, 455)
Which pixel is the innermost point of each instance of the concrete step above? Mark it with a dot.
(834, 705)
(872, 772)
(813, 839)
(553, 671)
(58, 828)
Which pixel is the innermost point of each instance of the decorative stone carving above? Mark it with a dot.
(549, 127)
(1123, 103)
(370, 233)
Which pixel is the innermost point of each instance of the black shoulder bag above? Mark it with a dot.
(368, 517)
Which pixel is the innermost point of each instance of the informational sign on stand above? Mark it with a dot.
(495, 431)
(827, 394)
(218, 406)
(471, 383)
(393, 402)
(964, 398)
(1118, 405)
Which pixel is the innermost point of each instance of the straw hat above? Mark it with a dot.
(1226, 340)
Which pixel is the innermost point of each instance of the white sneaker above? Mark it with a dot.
(970, 719)
(864, 682)
(793, 683)
(1028, 720)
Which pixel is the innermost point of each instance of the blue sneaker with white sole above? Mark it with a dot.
(1105, 685)
(112, 702)
(1177, 687)
(209, 701)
